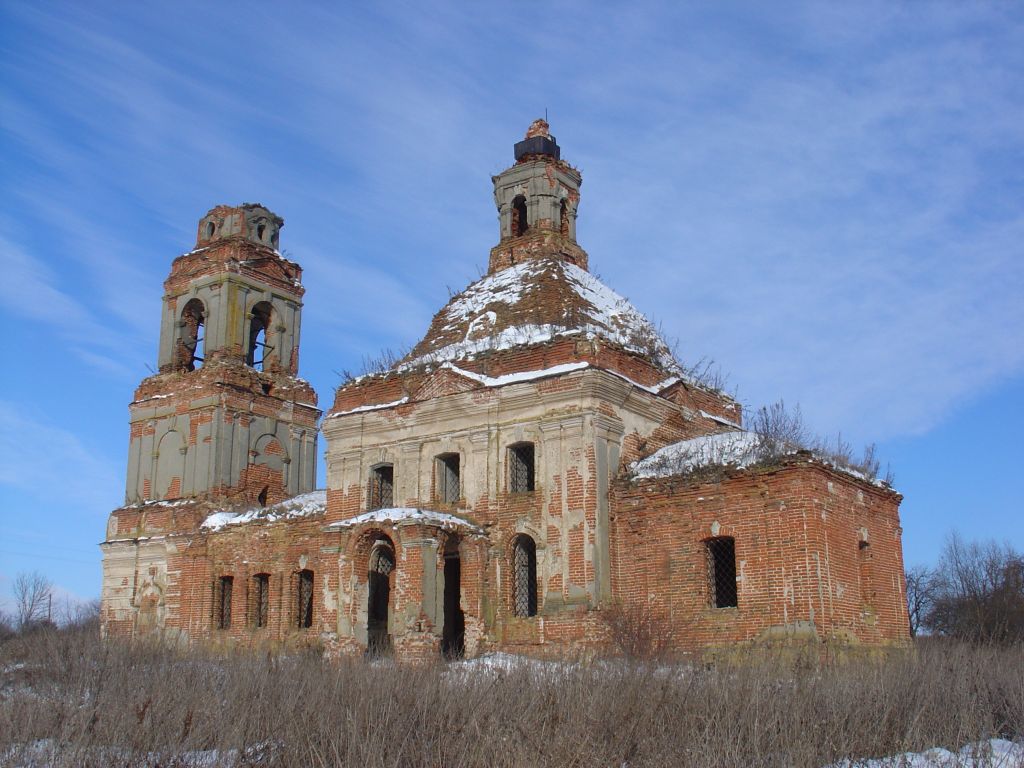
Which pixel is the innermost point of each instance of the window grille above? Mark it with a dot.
(261, 599)
(721, 554)
(305, 599)
(520, 468)
(524, 585)
(382, 487)
(224, 588)
(448, 490)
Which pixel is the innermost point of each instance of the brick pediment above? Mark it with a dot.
(443, 382)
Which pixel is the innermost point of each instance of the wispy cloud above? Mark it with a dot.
(49, 463)
(824, 198)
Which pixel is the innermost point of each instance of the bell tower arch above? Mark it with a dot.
(244, 425)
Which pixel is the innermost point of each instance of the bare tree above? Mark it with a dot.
(920, 596)
(6, 626)
(32, 595)
(978, 592)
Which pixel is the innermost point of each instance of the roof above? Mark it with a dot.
(531, 303)
(737, 449)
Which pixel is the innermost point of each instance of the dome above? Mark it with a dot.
(532, 303)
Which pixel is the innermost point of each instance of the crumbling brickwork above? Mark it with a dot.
(480, 493)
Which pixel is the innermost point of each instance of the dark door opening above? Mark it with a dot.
(453, 635)
(382, 564)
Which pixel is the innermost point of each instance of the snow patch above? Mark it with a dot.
(514, 378)
(304, 505)
(736, 448)
(365, 408)
(731, 449)
(995, 753)
(397, 515)
(609, 316)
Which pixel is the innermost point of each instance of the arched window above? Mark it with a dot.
(382, 565)
(519, 222)
(191, 345)
(721, 557)
(259, 350)
(563, 218)
(382, 487)
(524, 576)
(210, 229)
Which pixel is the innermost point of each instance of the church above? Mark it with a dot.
(536, 474)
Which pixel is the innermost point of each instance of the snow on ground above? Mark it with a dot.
(303, 505)
(46, 752)
(996, 753)
(403, 514)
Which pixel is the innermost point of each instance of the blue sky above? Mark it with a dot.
(826, 199)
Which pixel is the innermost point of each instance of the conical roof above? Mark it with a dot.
(532, 303)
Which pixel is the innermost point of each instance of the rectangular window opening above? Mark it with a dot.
(448, 478)
(721, 554)
(520, 468)
(382, 487)
(261, 599)
(223, 603)
(304, 592)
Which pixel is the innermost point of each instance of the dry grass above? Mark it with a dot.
(121, 704)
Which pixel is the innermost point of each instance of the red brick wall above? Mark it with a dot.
(798, 559)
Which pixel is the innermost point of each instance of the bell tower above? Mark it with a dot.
(537, 199)
(226, 416)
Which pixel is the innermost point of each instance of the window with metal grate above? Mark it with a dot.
(382, 487)
(520, 468)
(524, 570)
(721, 556)
(448, 478)
(260, 599)
(304, 593)
(224, 587)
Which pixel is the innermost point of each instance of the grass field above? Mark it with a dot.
(68, 699)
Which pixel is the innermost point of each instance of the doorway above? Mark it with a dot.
(453, 634)
(382, 566)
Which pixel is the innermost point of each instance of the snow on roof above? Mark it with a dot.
(515, 378)
(303, 505)
(522, 376)
(574, 302)
(734, 449)
(375, 407)
(399, 515)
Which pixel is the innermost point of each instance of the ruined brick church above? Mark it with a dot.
(530, 469)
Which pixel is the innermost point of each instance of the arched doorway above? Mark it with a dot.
(382, 566)
(453, 634)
